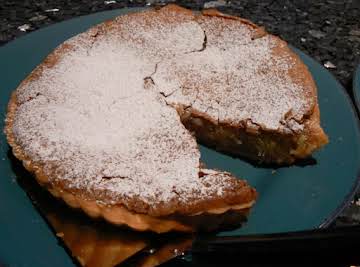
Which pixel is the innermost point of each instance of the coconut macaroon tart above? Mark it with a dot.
(109, 122)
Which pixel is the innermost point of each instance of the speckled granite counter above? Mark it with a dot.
(329, 31)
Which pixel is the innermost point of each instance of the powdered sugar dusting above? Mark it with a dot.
(235, 79)
(92, 123)
(160, 34)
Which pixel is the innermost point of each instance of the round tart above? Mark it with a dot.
(109, 121)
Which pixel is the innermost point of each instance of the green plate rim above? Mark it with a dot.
(355, 108)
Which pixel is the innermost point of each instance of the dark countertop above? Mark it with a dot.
(329, 31)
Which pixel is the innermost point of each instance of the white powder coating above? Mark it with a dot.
(95, 124)
(236, 79)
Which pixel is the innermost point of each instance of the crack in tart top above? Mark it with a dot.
(107, 118)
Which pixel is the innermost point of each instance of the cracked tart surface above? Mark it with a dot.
(101, 122)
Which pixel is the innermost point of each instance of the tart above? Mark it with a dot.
(109, 121)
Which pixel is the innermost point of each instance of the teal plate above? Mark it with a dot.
(356, 87)
(290, 198)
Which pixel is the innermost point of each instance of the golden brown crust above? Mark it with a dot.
(212, 12)
(312, 138)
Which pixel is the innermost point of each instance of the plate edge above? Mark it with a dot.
(355, 110)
